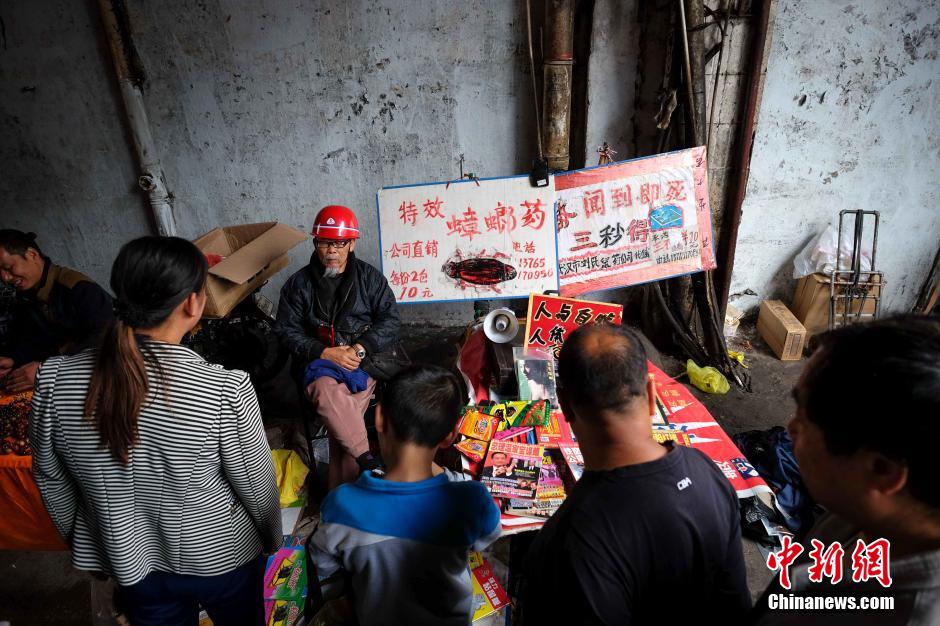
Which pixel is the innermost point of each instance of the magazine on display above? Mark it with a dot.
(511, 470)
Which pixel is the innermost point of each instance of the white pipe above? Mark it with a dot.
(152, 179)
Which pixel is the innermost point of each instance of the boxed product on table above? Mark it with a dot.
(285, 575)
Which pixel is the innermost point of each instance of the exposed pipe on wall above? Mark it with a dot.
(151, 180)
(728, 234)
(692, 14)
(556, 92)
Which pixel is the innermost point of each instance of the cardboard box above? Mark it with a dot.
(811, 303)
(251, 254)
(781, 330)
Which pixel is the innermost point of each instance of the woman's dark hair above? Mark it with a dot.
(866, 380)
(150, 277)
(17, 242)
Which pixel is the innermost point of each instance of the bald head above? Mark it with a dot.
(602, 368)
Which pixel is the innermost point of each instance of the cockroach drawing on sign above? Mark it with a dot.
(482, 270)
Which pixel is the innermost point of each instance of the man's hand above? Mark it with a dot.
(23, 378)
(344, 356)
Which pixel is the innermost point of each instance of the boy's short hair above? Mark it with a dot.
(422, 403)
(866, 380)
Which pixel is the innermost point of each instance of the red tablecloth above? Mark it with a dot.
(691, 416)
(24, 523)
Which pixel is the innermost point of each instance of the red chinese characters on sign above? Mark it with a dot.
(675, 190)
(400, 279)
(582, 241)
(408, 213)
(627, 206)
(564, 217)
(621, 197)
(466, 225)
(534, 216)
(594, 202)
(413, 250)
(639, 230)
(552, 319)
(649, 193)
(502, 219)
(432, 208)
(491, 237)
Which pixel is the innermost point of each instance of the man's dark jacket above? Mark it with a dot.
(364, 312)
(65, 313)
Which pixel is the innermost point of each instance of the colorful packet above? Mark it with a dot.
(478, 425)
(510, 433)
(473, 449)
(538, 414)
(514, 411)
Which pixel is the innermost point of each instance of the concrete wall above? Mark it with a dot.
(612, 75)
(268, 110)
(66, 170)
(850, 119)
(261, 111)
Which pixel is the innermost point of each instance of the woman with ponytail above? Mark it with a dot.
(153, 463)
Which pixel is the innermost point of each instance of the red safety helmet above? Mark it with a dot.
(335, 222)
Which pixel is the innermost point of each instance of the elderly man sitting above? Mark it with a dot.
(339, 319)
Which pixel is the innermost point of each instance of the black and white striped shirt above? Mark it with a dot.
(198, 495)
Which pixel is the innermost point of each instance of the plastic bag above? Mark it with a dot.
(707, 378)
(819, 255)
(291, 473)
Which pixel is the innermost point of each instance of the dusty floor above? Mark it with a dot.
(42, 588)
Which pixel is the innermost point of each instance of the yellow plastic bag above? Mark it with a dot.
(291, 475)
(707, 378)
(737, 356)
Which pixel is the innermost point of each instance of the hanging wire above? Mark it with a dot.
(535, 91)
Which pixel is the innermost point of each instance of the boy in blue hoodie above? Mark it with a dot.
(404, 536)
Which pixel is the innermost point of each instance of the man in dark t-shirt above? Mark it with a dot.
(650, 534)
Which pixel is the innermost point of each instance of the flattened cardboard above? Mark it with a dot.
(781, 330)
(256, 251)
(252, 254)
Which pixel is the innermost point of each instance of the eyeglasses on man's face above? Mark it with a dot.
(325, 244)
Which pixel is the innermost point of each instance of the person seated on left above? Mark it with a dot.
(57, 311)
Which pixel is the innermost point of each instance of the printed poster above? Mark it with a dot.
(633, 222)
(468, 240)
(551, 319)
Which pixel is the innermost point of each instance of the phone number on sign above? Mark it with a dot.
(537, 274)
(532, 264)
